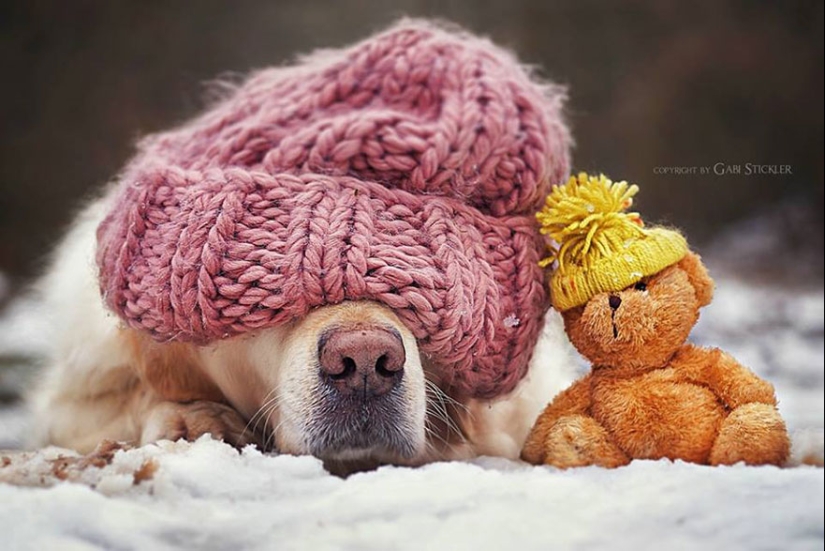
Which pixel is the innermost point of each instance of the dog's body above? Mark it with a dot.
(105, 381)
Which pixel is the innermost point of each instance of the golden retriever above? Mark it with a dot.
(106, 381)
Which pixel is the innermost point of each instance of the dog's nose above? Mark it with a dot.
(368, 360)
(614, 301)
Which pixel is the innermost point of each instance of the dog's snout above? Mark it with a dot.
(367, 360)
(615, 301)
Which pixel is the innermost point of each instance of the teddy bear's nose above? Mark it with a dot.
(614, 301)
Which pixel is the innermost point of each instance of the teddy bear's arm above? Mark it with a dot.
(732, 382)
(572, 401)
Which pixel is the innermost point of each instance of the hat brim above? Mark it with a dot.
(199, 256)
(641, 257)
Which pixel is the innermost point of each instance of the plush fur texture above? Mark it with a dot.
(403, 170)
(650, 394)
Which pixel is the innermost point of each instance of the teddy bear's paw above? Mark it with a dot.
(753, 391)
(579, 440)
(753, 433)
(743, 386)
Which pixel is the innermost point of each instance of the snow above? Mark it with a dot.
(22, 328)
(207, 495)
(511, 321)
(779, 335)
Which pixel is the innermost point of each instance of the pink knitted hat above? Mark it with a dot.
(405, 170)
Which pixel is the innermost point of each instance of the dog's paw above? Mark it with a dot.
(173, 421)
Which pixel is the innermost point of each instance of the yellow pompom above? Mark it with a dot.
(598, 246)
(586, 218)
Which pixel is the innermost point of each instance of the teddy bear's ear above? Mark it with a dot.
(698, 276)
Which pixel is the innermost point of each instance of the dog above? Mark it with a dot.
(404, 169)
(346, 383)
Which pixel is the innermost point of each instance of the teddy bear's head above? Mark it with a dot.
(629, 294)
(645, 323)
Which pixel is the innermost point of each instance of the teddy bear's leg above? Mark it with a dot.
(579, 440)
(574, 400)
(753, 433)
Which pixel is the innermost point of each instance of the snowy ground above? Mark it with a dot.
(206, 495)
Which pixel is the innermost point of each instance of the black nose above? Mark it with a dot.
(366, 360)
(614, 301)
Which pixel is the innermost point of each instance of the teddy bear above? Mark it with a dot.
(629, 296)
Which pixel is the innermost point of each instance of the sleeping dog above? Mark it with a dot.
(316, 386)
(339, 258)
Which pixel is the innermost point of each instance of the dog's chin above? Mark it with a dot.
(360, 452)
(348, 460)
(360, 445)
(352, 434)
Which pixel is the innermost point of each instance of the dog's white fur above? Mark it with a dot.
(106, 381)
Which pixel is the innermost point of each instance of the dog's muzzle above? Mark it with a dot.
(361, 383)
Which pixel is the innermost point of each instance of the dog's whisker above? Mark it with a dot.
(265, 402)
(430, 445)
(439, 413)
(435, 399)
(446, 419)
(432, 433)
(267, 407)
(255, 418)
(267, 435)
(270, 434)
(438, 408)
(444, 397)
(264, 434)
(451, 429)
(269, 401)
(273, 433)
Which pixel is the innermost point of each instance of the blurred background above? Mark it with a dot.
(658, 90)
(654, 85)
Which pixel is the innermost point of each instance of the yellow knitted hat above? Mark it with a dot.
(598, 247)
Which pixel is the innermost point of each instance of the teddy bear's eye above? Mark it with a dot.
(641, 286)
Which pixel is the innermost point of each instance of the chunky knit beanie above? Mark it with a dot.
(404, 170)
(598, 247)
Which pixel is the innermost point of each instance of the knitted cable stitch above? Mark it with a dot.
(403, 170)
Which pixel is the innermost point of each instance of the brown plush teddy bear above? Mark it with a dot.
(629, 297)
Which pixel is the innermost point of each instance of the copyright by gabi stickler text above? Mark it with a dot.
(725, 169)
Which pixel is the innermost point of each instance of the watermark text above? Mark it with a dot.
(725, 169)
